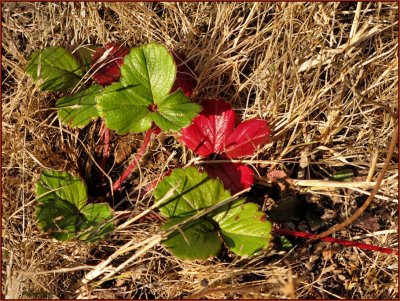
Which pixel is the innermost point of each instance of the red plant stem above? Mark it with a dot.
(338, 241)
(136, 159)
(106, 147)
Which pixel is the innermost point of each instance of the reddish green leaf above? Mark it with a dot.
(108, 65)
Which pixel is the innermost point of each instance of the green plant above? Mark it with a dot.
(63, 210)
(239, 225)
(140, 101)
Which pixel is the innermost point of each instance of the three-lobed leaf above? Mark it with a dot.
(55, 68)
(142, 95)
(242, 227)
(213, 133)
(62, 210)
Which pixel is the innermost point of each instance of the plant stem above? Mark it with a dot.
(338, 241)
(106, 148)
(136, 159)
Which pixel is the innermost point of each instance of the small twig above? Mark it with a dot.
(377, 196)
(381, 197)
(135, 161)
(374, 160)
(356, 20)
(360, 210)
(333, 184)
(374, 234)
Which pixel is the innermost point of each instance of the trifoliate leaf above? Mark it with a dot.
(55, 68)
(193, 191)
(245, 229)
(142, 96)
(63, 212)
(213, 132)
(79, 109)
(198, 240)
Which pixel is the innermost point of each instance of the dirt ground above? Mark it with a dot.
(325, 76)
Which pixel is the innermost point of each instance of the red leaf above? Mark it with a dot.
(109, 69)
(244, 140)
(210, 128)
(235, 176)
(185, 76)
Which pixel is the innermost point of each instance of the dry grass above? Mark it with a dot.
(324, 75)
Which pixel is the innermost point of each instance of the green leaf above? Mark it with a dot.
(142, 96)
(55, 68)
(63, 211)
(61, 185)
(60, 217)
(79, 109)
(175, 112)
(245, 229)
(152, 69)
(194, 191)
(122, 112)
(97, 222)
(198, 240)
